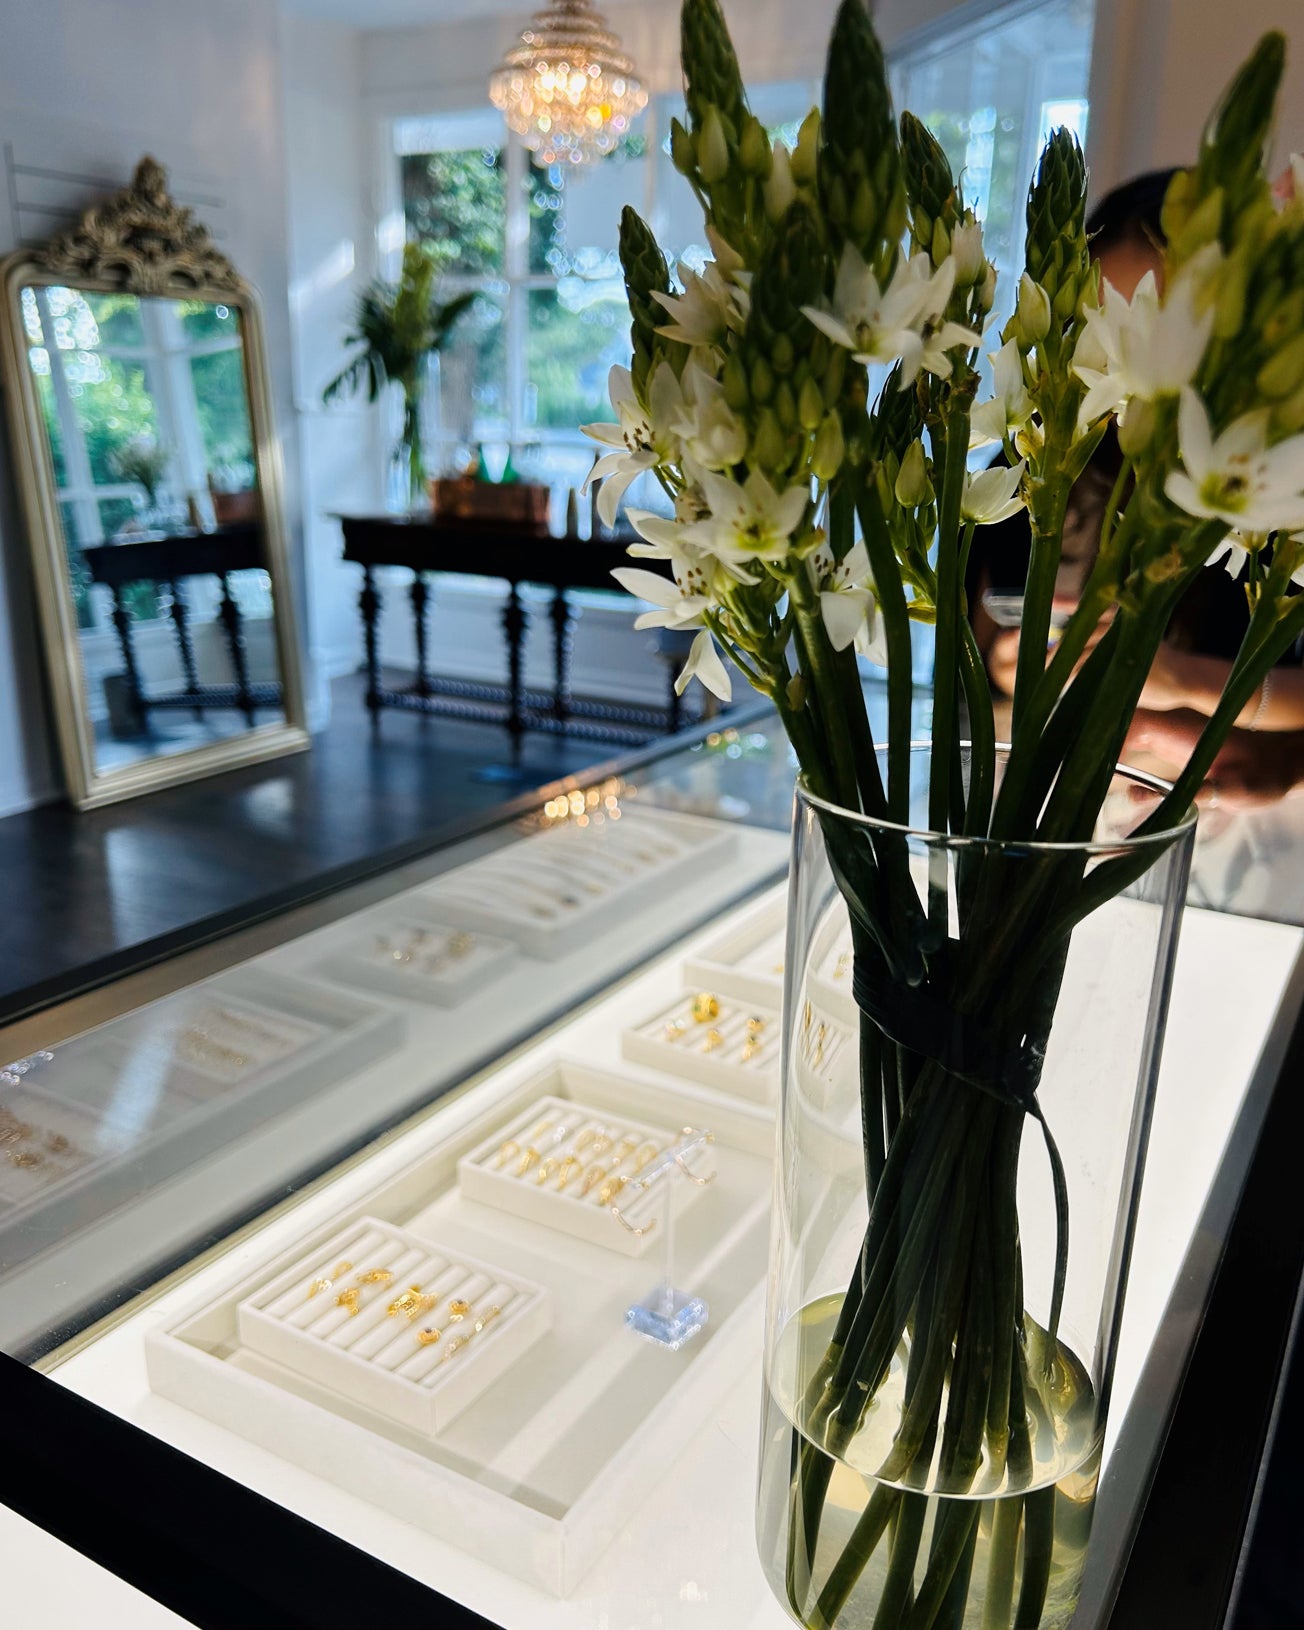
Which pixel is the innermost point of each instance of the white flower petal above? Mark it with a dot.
(705, 664)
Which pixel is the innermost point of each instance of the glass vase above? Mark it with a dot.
(972, 1034)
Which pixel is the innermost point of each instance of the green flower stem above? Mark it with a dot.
(950, 453)
(953, 1539)
(818, 667)
(982, 735)
(1038, 1547)
(1002, 1561)
(900, 692)
(898, 1586)
(1039, 594)
(864, 1541)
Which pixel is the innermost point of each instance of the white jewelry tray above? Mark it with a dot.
(583, 1216)
(549, 1463)
(352, 965)
(563, 883)
(130, 1092)
(373, 1356)
(723, 1068)
(829, 971)
(747, 960)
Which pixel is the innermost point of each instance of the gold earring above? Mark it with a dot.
(328, 1279)
(458, 1309)
(350, 1298)
(428, 1337)
(713, 1040)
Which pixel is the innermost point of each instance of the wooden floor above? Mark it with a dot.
(92, 894)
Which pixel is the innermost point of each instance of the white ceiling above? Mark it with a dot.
(398, 13)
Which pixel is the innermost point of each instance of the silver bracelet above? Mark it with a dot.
(1263, 702)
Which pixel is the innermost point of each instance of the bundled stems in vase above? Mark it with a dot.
(810, 403)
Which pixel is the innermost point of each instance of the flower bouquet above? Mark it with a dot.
(939, 1358)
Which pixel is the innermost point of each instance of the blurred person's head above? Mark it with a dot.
(1126, 233)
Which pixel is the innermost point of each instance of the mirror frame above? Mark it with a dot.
(138, 241)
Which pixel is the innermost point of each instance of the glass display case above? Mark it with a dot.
(434, 1212)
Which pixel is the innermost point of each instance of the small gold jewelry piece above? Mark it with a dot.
(821, 1035)
(755, 1026)
(706, 1008)
(487, 1317)
(592, 1177)
(844, 965)
(610, 1189)
(24, 1159)
(751, 1049)
(350, 1298)
(646, 1154)
(376, 1276)
(460, 945)
(675, 1029)
(713, 1040)
(411, 1303)
(509, 1151)
(56, 1143)
(531, 1157)
(624, 1149)
(547, 1170)
(429, 1336)
(455, 1346)
(328, 1279)
(807, 1016)
(569, 1167)
(590, 1135)
(458, 1309)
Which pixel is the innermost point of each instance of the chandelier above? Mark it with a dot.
(568, 89)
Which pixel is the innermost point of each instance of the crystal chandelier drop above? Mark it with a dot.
(568, 89)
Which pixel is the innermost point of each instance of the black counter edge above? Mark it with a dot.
(193, 1539)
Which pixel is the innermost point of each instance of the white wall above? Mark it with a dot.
(1159, 67)
(196, 83)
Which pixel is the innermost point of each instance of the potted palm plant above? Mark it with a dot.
(396, 328)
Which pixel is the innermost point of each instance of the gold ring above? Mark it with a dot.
(610, 1189)
(706, 1007)
(509, 1151)
(547, 1170)
(592, 1178)
(569, 1167)
(529, 1158)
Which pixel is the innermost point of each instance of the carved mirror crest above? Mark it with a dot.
(147, 464)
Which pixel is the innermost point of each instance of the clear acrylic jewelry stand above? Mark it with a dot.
(666, 1315)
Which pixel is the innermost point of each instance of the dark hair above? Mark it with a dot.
(1131, 214)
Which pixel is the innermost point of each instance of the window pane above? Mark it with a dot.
(990, 95)
(117, 316)
(470, 404)
(204, 320)
(576, 333)
(457, 202)
(575, 211)
(224, 415)
(113, 406)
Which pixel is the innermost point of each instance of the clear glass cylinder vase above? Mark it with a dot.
(972, 1035)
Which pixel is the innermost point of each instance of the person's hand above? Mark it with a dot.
(1252, 769)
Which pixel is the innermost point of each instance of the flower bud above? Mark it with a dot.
(762, 380)
(780, 188)
(1283, 374)
(940, 247)
(683, 150)
(785, 406)
(1200, 227)
(805, 157)
(737, 392)
(835, 375)
(913, 486)
(769, 448)
(1229, 303)
(782, 355)
(864, 209)
(712, 148)
(987, 295)
(967, 247)
(810, 406)
(829, 449)
(1137, 427)
(754, 149)
(1032, 315)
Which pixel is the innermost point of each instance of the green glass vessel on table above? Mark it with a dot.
(968, 1081)
(936, 1385)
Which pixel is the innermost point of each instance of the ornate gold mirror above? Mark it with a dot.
(149, 475)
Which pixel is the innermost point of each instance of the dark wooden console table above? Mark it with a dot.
(426, 546)
(166, 562)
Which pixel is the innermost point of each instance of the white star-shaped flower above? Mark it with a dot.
(645, 438)
(1237, 478)
(1011, 405)
(848, 603)
(903, 322)
(747, 522)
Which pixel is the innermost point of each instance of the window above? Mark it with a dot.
(529, 363)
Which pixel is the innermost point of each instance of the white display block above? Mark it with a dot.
(548, 1464)
(746, 961)
(419, 959)
(565, 1136)
(718, 1052)
(567, 881)
(395, 1322)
